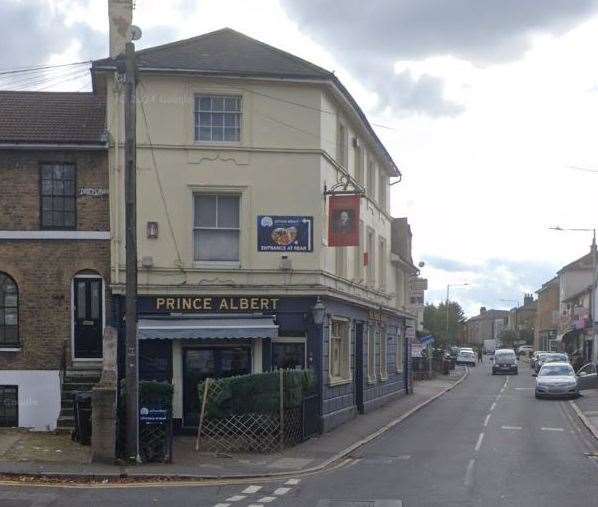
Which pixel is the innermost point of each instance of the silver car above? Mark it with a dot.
(556, 380)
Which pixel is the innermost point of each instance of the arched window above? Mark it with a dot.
(9, 312)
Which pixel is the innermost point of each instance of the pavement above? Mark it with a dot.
(488, 442)
(56, 455)
(586, 408)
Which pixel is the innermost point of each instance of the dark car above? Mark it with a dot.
(505, 361)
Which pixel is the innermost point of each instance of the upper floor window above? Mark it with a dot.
(58, 198)
(371, 176)
(9, 312)
(342, 146)
(216, 228)
(358, 156)
(382, 188)
(218, 118)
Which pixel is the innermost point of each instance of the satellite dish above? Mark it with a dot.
(135, 32)
(421, 264)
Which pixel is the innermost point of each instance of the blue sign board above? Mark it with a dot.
(151, 415)
(284, 233)
(427, 340)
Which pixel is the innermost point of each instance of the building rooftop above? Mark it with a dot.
(52, 118)
(228, 53)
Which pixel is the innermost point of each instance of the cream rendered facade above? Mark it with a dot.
(285, 159)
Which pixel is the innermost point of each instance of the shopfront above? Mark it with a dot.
(186, 339)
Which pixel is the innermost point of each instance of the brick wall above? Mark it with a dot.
(44, 269)
(548, 303)
(19, 192)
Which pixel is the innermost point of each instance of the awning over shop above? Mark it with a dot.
(213, 328)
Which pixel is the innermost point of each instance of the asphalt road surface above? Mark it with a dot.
(488, 442)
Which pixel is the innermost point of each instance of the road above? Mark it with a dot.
(488, 442)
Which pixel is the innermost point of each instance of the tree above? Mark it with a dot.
(435, 318)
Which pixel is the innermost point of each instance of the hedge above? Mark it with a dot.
(256, 393)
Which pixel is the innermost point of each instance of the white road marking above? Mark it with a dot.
(493, 406)
(293, 482)
(486, 420)
(479, 444)
(236, 498)
(251, 489)
(511, 427)
(222, 505)
(267, 499)
(551, 429)
(469, 472)
(524, 388)
(281, 491)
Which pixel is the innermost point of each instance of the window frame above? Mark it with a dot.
(371, 178)
(382, 272)
(17, 343)
(372, 355)
(3, 405)
(383, 353)
(213, 193)
(371, 251)
(334, 380)
(342, 143)
(400, 352)
(382, 190)
(196, 111)
(41, 197)
(340, 261)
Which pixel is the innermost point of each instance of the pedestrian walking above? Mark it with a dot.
(480, 356)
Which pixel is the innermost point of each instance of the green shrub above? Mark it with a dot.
(257, 393)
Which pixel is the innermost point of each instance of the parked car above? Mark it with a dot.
(466, 357)
(525, 350)
(556, 379)
(534, 357)
(454, 352)
(505, 361)
(551, 357)
(587, 376)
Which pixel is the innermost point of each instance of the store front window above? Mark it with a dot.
(288, 355)
(209, 362)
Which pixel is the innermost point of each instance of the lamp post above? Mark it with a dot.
(515, 327)
(448, 288)
(594, 273)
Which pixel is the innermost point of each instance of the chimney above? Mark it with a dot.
(528, 299)
(482, 310)
(120, 17)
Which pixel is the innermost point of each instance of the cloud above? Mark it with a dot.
(33, 31)
(387, 31)
(484, 31)
(492, 281)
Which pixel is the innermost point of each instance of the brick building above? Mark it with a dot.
(547, 315)
(488, 325)
(54, 250)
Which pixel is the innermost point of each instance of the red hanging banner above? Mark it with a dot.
(343, 220)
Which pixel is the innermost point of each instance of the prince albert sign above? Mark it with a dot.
(207, 304)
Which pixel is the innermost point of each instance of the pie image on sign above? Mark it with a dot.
(284, 236)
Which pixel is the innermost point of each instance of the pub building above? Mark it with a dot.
(184, 339)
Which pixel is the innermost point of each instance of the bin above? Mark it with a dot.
(82, 418)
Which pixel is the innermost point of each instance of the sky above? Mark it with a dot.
(490, 109)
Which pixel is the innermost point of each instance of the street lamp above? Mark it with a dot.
(594, 269)
(448, 287)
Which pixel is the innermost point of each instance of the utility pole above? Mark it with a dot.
(132, 370)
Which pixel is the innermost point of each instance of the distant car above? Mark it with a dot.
(551, 357)
(505, 361)
(525, 349)
(466, 357)
(534, 357)
(556, 379)
(539, 359)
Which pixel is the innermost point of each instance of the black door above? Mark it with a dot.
(88, 318)
(358, 387)
(202, 363)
